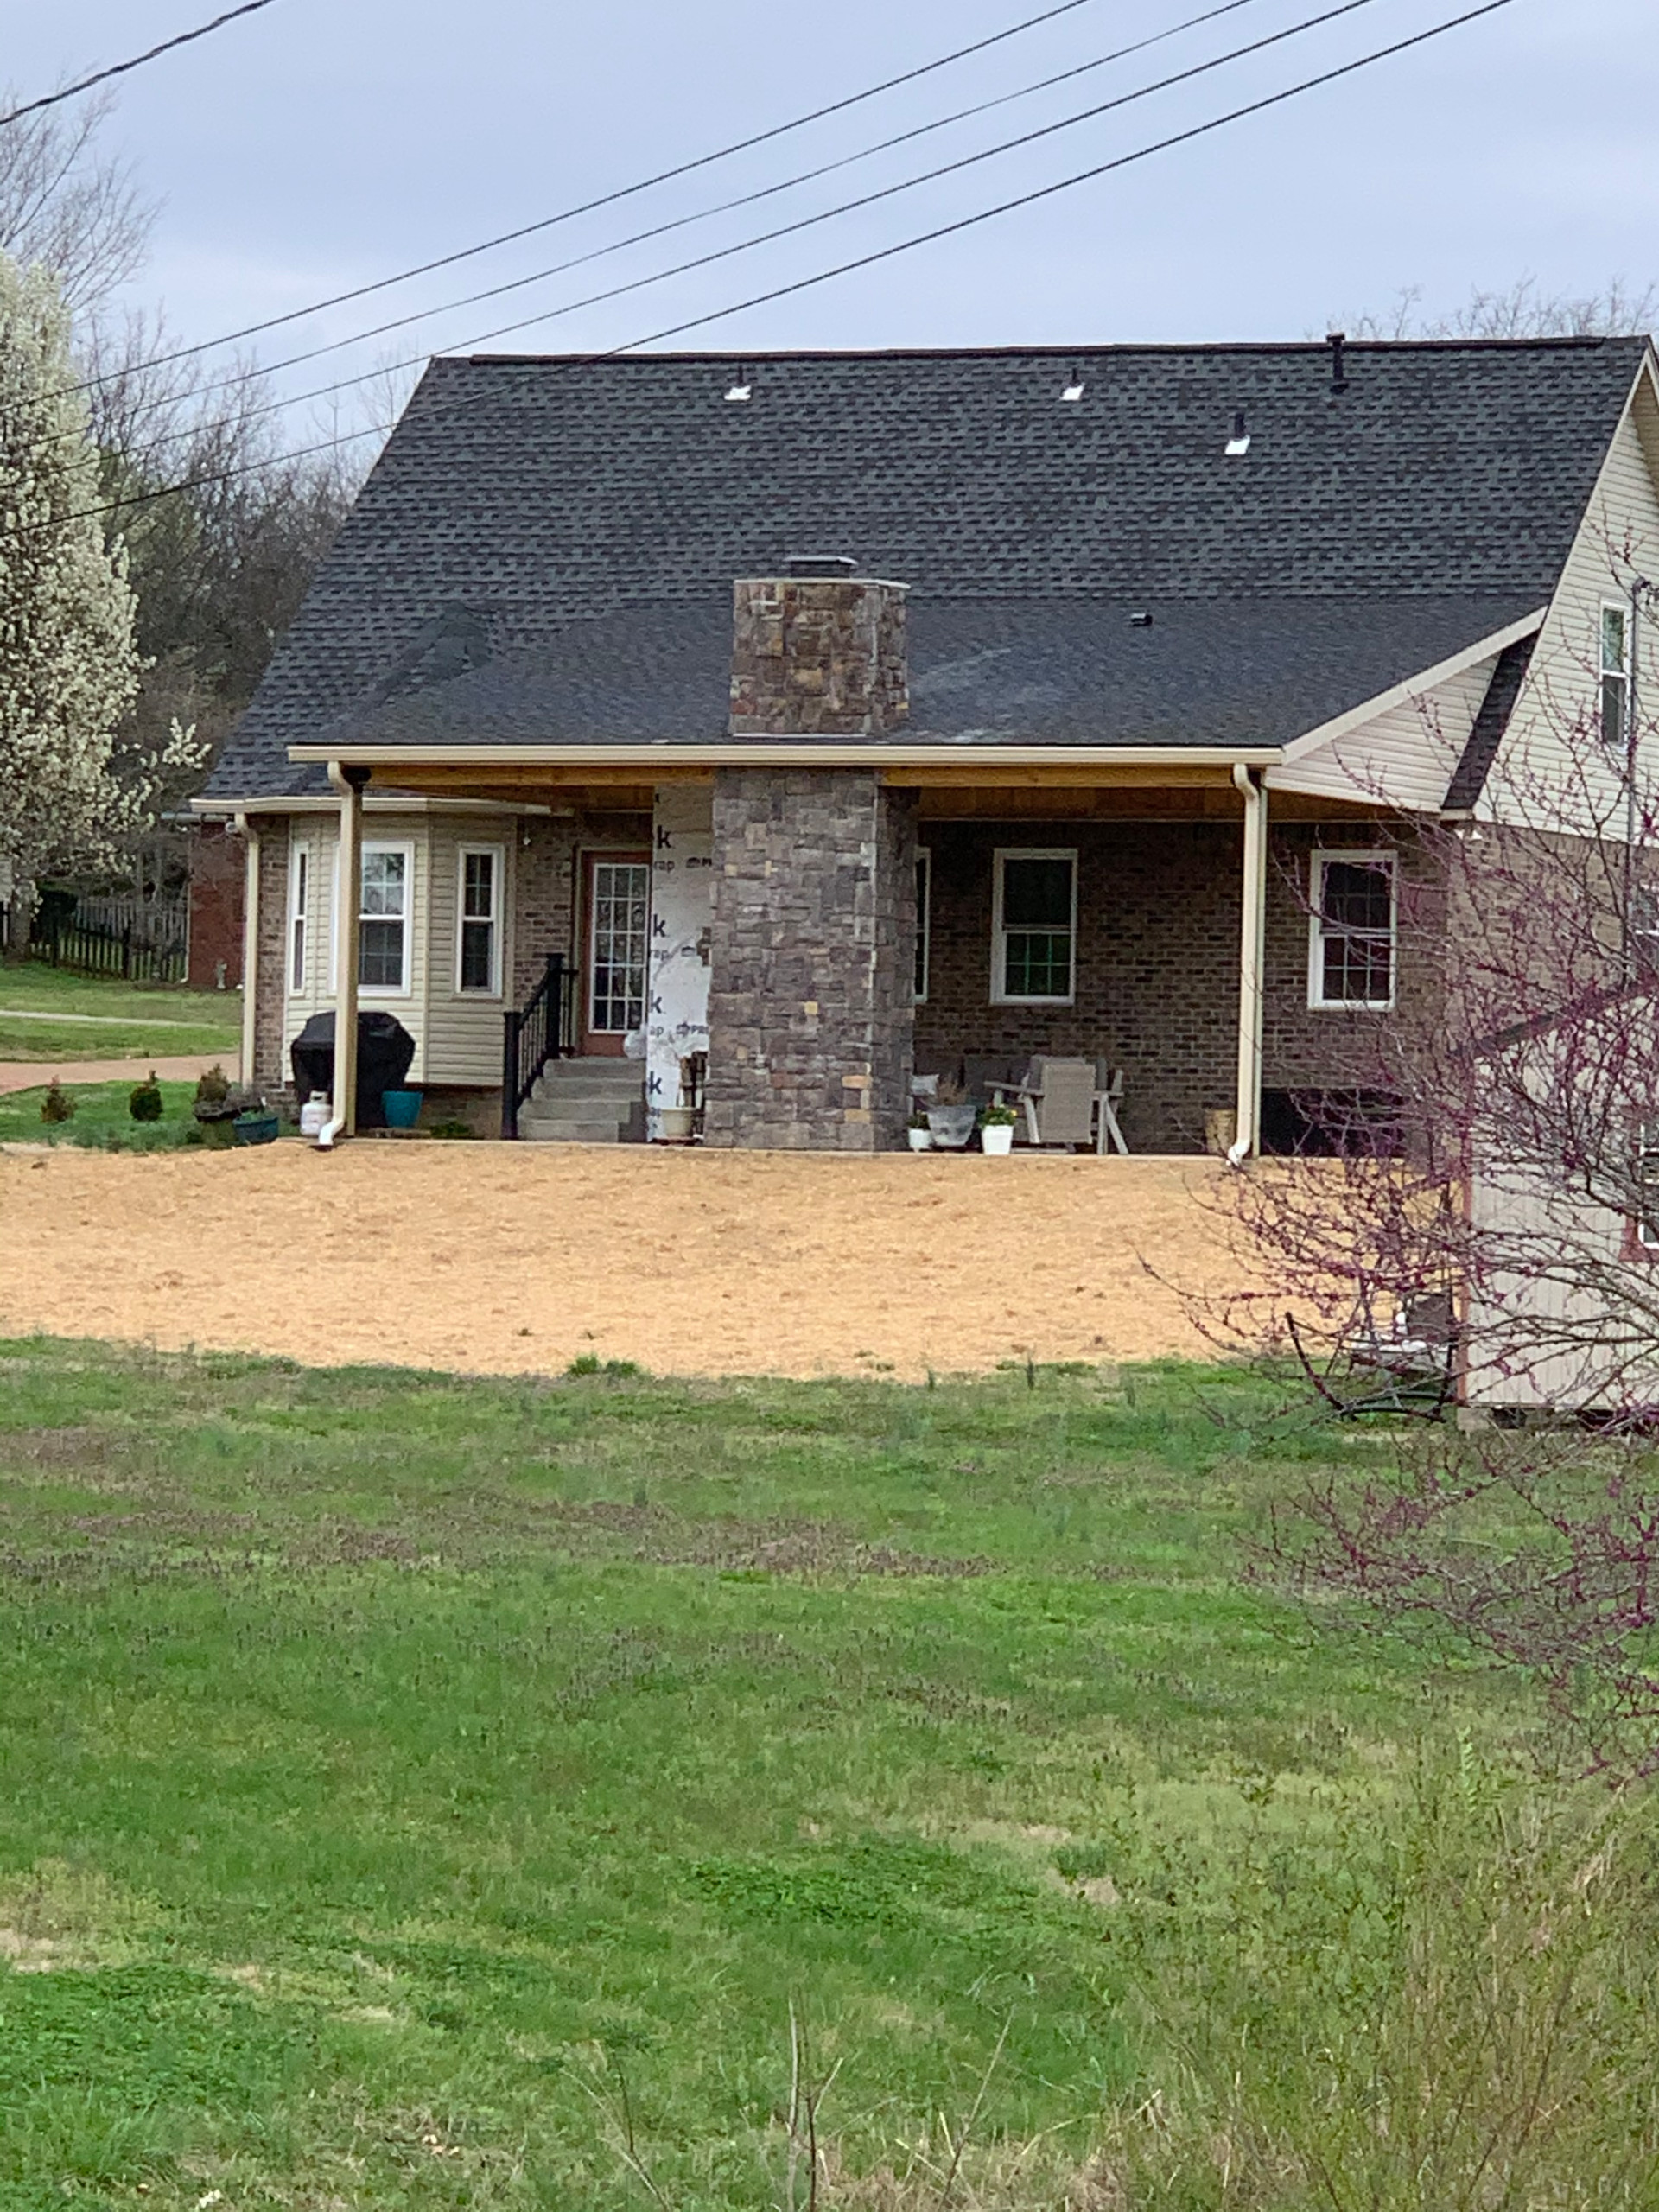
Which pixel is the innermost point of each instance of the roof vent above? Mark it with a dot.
(1073, 388)
(742, 385)
(1336, 340)
(1240, 442)
(1139, 621)
(821, 564)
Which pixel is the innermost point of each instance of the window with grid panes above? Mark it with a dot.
(1353, 930)
(481, 871)
(383, 919)
(1034, 927)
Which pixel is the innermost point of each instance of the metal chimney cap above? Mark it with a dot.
(821, 564)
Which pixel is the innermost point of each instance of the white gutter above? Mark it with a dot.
(1252, 948)
(243, 828)
(765, 753)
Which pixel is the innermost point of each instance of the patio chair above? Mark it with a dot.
(1057, 1097)
(1068, 1102)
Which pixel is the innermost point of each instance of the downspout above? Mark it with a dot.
(1252, 949)
(246, 830)
(349, 783)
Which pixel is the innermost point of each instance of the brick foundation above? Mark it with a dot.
(810, 1013)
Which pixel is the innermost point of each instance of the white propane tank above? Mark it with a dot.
(315, 1115)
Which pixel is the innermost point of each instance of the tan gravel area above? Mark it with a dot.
(509, 1259)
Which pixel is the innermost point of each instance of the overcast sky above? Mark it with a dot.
(324, 143)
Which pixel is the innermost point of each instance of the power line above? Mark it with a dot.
(743, 246)
(744, 200)
(121, 68)
(863, 261)
(1065, 184)
(605, 200)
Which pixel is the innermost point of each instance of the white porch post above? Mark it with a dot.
(349, 783)
(250, 833)
(1252, 955)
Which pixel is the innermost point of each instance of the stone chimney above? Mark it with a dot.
(818, 653)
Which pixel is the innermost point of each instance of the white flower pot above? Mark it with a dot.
(920, 1140)
(674, 1124)
(997, 1140)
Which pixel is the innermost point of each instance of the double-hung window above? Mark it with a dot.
(1615, 657)
(923, 918)
(1034, 928)
(383, 918)
(478, 952)
(1352, 931)
(1644, 1177)
(299, 915)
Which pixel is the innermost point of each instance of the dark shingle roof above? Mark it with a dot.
(988, 671)
(518, 495)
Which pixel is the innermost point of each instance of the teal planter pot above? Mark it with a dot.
(256, 1128)
(402, 1109)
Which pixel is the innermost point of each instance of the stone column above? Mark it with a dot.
(812, 1001)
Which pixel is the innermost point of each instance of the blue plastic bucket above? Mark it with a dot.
(402, 1109)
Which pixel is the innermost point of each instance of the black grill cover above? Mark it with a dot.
(384, 1050)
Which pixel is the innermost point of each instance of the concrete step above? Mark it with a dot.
(567, 1128)
(581, 1086)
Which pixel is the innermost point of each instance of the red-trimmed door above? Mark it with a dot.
(615, 939)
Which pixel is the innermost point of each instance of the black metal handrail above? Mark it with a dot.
(541, 1030)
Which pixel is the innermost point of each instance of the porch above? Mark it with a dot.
(813, 936)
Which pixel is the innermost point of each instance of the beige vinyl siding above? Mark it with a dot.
(457, 1034)
(1403, 757)
(1552, 747)
(463, 1028)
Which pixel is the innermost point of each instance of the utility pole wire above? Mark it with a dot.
(605, 200)
(765, 192)
(1066, 183)
(863, 261)
(121, 68)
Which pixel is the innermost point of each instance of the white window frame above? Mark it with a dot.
(1361, 856)
(1000, 996)
(405, 986)
(496, 855)
(1619, 675)
(924, 921)
(302, 892)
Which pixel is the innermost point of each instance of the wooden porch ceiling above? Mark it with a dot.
(954, 791)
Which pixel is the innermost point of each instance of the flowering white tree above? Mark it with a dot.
(69, 667)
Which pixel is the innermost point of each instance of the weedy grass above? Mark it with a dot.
(425, 1792)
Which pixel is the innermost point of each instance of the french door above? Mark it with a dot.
(616, 928)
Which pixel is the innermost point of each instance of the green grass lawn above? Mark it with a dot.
(415, 1792)
(132, 1020)
(101, 1118)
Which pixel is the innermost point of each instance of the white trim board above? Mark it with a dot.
(1403, 694)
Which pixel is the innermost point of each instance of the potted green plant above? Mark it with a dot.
(920, 1136)
(996, 1128)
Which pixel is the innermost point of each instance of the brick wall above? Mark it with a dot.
(271, 1070)
(544, 897)
(1157, 965)
(218, 881)
(811, 1017)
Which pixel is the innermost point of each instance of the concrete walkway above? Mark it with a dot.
(34, 1074)
(98, 1020)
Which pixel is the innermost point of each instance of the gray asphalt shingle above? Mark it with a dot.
(521, 507)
